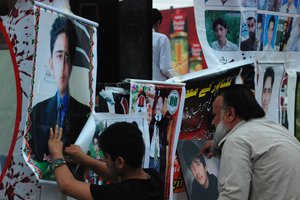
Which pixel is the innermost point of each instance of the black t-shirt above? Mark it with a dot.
(210, 193)
(133, 189)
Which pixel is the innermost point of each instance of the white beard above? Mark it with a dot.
(220, 133)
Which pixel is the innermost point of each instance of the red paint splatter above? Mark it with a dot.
(15, 179)
(26, 180)
(10, 192)
(29, 57)
(14, 13)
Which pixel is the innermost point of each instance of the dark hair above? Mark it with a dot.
(219, 21)
(272, 19)
(156, 16)
(269, 73)
(63, 25)
(250, 18)
(4, 10)
(123, 139)
(242, 99)
(259, 18)
(190, 152)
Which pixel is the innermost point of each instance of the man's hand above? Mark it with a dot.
(76, 153)
(207, 149)
(55, 144)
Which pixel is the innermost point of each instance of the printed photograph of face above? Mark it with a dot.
(200, 174)
(222, 29)
(270, 30)
(248, 32)
(268, 82)
(268, 89)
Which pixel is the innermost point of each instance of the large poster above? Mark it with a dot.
(196, 129)
(163, 103)
(63, 84)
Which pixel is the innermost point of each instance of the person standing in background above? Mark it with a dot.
(161, 50)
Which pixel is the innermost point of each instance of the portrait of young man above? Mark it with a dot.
(268, 87)
(204, 184)
(221, 43)
(269, 34)
(61, 108)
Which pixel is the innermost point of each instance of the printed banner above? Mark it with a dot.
(163, 104)
(236, 30)
(196, 129)
(179, 25)
(200, 94)
(63, 84)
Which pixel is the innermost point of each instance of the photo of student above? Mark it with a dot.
(223, 29)
(268, 82)
(222, 43)
(270, 77)
(289, 6)
(250, 44)
(260, 32)
(269, 37)
(61, 108)
(204, 184)
(274, 5)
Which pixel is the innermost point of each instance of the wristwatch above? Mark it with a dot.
(57, 163)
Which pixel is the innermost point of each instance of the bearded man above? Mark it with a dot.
(250, 43)
(259, 158)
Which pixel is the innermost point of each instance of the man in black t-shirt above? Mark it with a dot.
(124, 149)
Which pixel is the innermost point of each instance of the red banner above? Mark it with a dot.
(179, 25)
